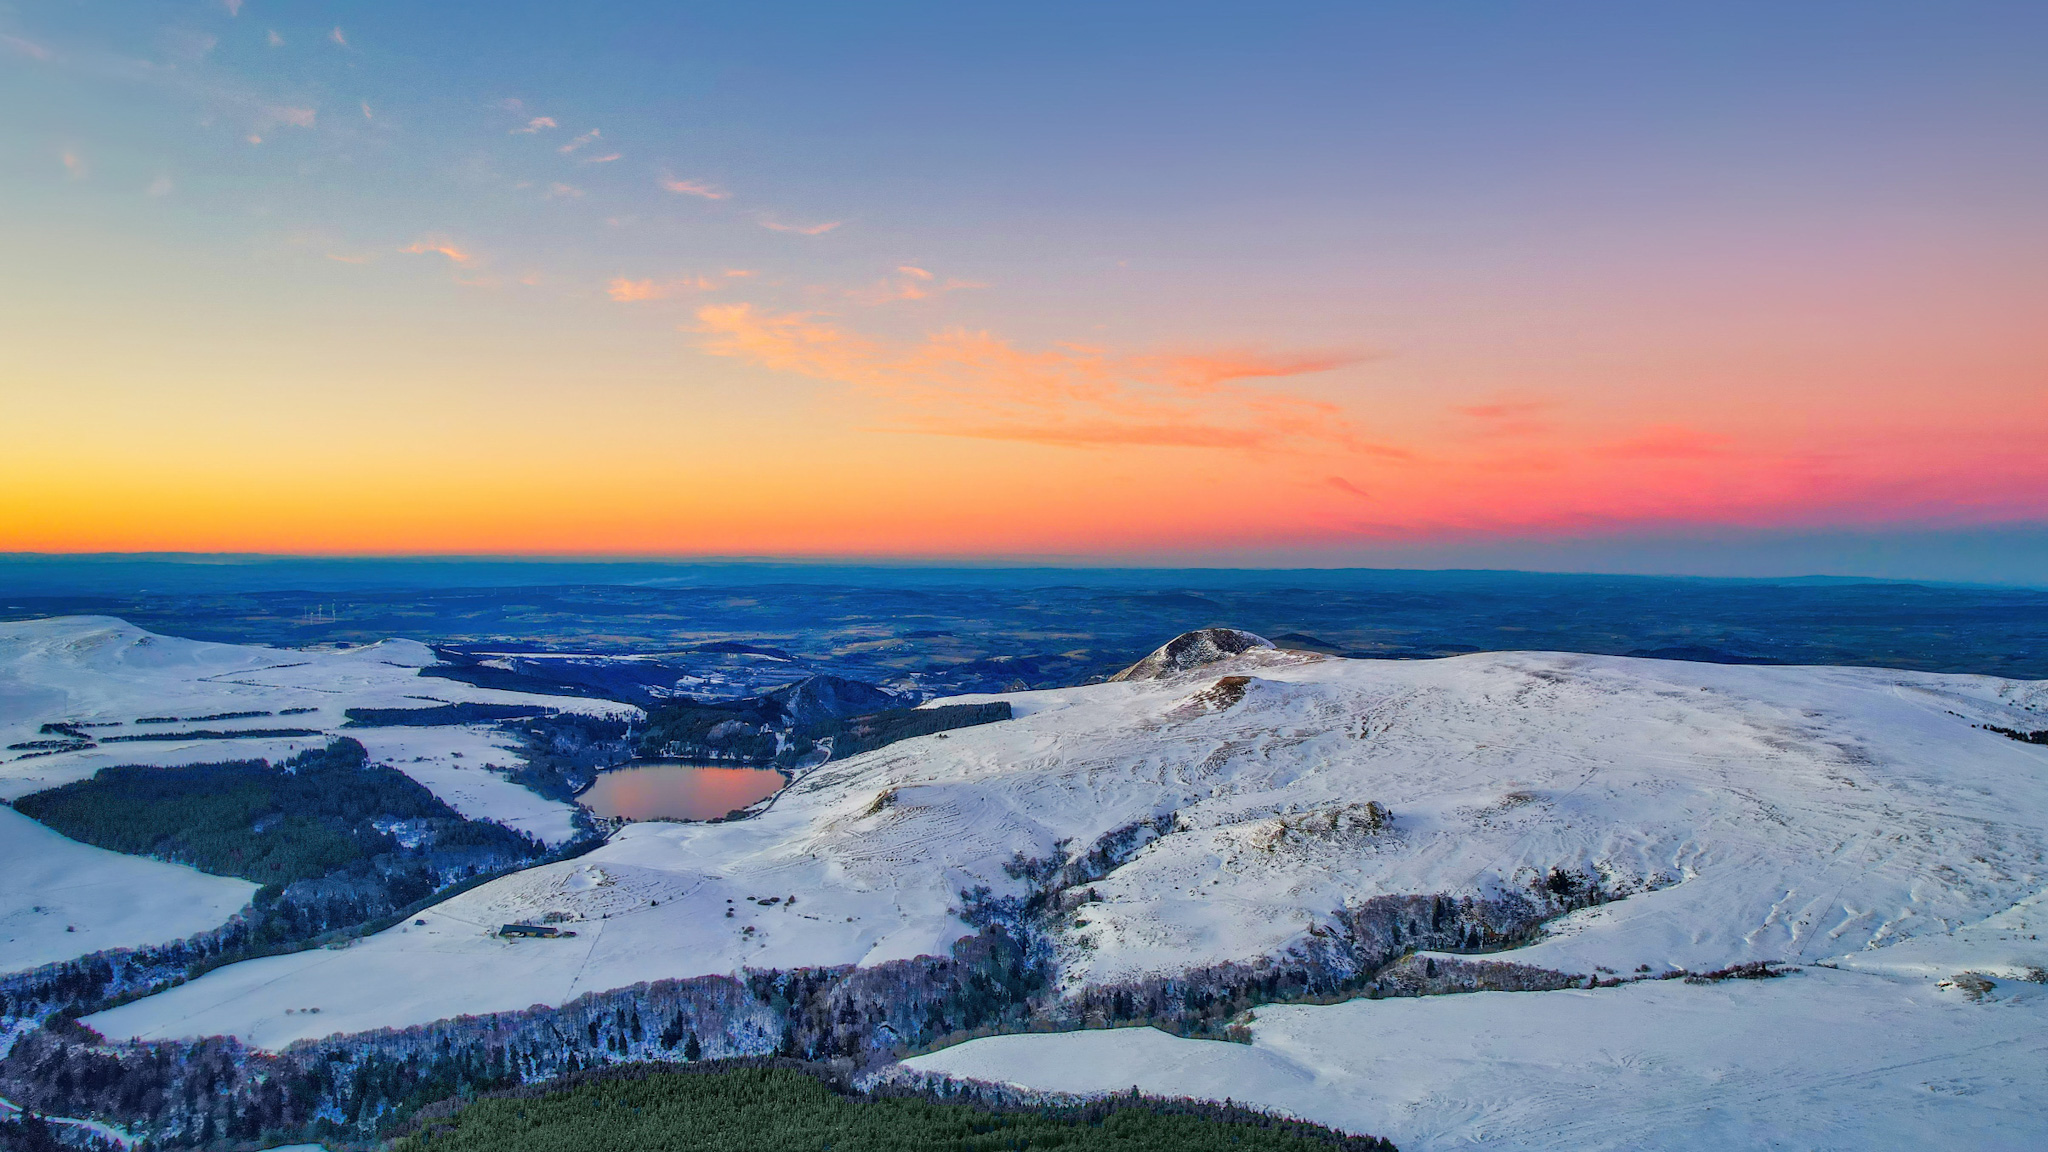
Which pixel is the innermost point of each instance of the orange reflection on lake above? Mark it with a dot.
(678, 791)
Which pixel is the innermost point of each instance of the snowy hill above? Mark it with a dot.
(60, 899)
(101, 671)
(1256, 807)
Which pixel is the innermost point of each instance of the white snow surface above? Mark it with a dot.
(1760, 813)
(97, 668)
(1819, 1060)
(60, 899)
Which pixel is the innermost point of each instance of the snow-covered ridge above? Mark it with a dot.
(1748, 813)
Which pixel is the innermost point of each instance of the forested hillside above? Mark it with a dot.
(784, 1109)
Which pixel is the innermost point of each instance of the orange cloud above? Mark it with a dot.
(535, 125)
(443, 247)
(977, 385)
(632, 291)
(1347, 487)
(694, 188)
(914, 284)
(800, 229)
(1202, 372)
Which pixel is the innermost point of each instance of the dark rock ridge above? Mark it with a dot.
(1191, 650)
(825, 697)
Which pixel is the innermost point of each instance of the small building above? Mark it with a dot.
(543, 931)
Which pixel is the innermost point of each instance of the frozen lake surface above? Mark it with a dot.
(679, 791)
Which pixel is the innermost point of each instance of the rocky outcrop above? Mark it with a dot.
(1191, 650)
(819, 698)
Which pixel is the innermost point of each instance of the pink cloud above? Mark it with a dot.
(337, 36)
(28, 48)
(605, 159)
(534, 125)
(442, 247)
(694, 188)
(579, 142)
(800, 229)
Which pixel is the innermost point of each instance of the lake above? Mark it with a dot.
(678, 791)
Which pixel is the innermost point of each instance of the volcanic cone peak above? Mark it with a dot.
(1192, 650)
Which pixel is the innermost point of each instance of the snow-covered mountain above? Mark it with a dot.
(1244, 809)
(1253, 803)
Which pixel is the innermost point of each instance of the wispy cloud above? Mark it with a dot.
(296, 117)
(561, 191)
(1508, 418)
(910, 283)
(28, 48)
(775, 225)
(1347, 487)
(74, 164)
(512, 104)
(604, 159)
(579, 142)
(234, 7)
(535, 125)
(275, 40)
(694, 188)
(977, 385)
(440, 247)
(367, 114)
(338, 37)
(633, 291)
(341, 259)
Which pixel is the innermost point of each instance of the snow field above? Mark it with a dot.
(60, 899)
(1818, 1060)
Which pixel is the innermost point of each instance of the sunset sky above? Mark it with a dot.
(1277, 282)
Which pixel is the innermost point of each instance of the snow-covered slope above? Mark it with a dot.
(1792, 814)
(1819, 1060)
(60, 898)
(97, 669)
